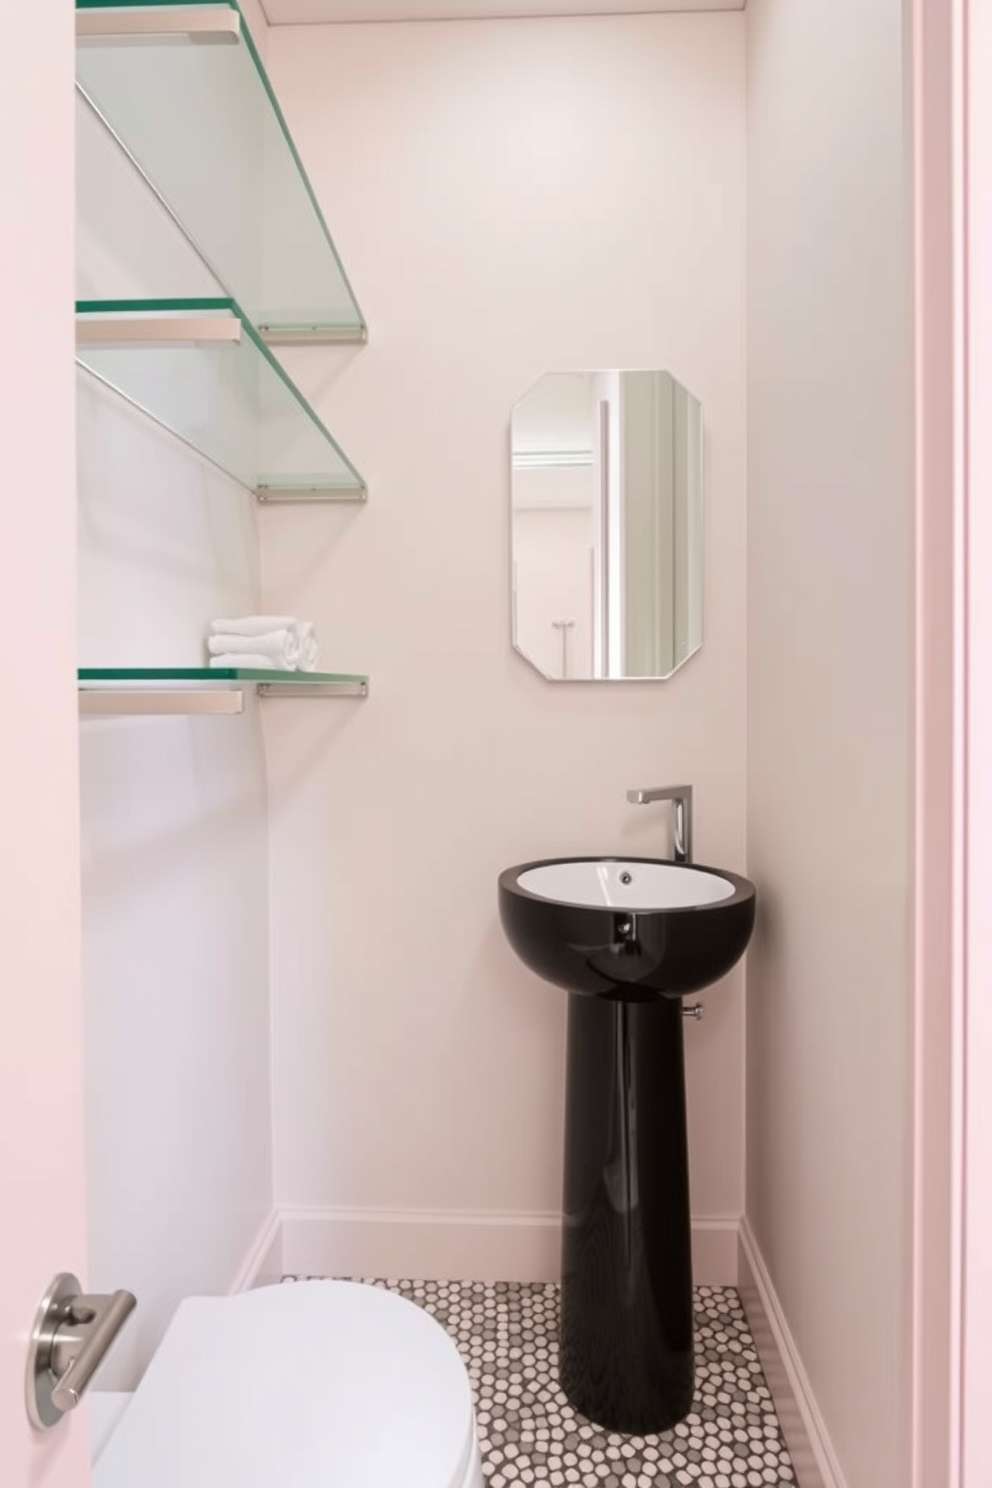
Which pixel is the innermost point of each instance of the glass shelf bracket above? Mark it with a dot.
(184, 91)
(200, 369)
(111, 702)
(105, 691)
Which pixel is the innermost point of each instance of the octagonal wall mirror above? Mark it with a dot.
(606, 525)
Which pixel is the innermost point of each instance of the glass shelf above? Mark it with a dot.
(199, 368)
(183, 89)
(212, 690)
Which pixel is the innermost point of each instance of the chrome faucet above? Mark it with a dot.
(681, 798)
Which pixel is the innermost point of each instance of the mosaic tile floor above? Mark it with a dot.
(529, 1434)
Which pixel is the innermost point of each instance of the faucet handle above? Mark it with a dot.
(681, 798)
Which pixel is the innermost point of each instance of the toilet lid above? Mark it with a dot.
(315, 1384)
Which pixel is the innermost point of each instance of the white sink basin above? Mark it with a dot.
(626, 927)
(616, 884)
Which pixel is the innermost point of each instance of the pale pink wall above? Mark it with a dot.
(510, 197)
(830, 584)
(937, 820)
(41, 1139)
(175, 887)
(174, 838)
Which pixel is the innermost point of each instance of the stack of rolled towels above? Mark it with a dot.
(277, 643)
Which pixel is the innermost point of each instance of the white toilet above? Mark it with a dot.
(315, 1384)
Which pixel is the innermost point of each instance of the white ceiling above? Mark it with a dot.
(300, 12)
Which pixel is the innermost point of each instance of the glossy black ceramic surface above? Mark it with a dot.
(635, 954)
(626, 1353)
(625, 1344)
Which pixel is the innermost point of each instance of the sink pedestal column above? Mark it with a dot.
(626, 1357)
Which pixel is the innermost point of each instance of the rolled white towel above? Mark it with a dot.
(307, 660)
(254, 661)
(253, 625)
(281, 645)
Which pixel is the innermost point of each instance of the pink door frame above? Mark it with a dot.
(951, 43)
(41, 1108)
(953, 1089)
(976, 1029)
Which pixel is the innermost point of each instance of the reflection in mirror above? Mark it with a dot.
(606, 525)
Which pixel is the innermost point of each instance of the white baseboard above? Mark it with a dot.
(461, 1245)
(804, 1429)
(420, 1243)
(263, 1262)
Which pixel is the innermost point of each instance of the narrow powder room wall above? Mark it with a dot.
(174, 833)
(830, 585)
(511, 197)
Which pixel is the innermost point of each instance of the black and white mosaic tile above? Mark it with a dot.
(507, 1333)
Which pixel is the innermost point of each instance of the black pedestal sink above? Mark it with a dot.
(627, 938)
